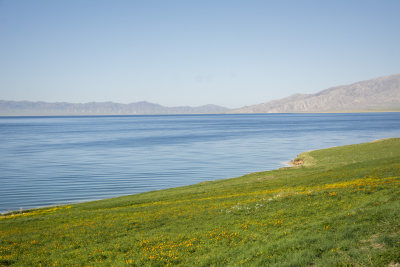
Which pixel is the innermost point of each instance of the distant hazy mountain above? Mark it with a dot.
(380, 94)
(27, 108)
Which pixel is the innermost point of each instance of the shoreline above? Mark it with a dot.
(11, 213)
(28, 115)
(331, 211)
(298, 161)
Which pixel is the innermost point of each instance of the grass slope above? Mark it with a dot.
(340, 208)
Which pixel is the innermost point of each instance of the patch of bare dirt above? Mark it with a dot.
(297, 162)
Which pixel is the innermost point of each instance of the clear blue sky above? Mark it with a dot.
(231, 53)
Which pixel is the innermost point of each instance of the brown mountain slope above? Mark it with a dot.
(380, 94)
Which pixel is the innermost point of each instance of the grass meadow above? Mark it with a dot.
(341, 207)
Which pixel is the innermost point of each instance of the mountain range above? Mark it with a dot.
(28, 108)
(380, 94)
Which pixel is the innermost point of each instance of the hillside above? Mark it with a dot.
(28, 108)
(381, 94)
(339, 207)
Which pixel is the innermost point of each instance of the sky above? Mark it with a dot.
(229, 53)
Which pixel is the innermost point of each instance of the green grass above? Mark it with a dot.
(341, 208)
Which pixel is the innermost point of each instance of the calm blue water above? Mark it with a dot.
(53, 160)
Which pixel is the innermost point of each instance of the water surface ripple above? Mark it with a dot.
(54, 160)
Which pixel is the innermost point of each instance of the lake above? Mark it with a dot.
(56, 160)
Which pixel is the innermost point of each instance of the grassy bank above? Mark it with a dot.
(340, 207)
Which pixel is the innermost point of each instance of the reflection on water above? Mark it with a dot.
(52, 160)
